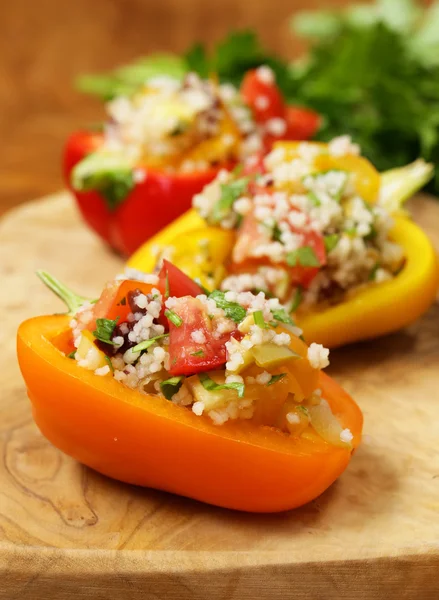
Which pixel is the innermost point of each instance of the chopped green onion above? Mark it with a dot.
(305, 257)
(229, 193)
(147, 343)
(171, 386)
(258, 317)
(276, 378)
(211, 386)
(174, 318)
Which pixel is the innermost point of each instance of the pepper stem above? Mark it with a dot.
(70, 299)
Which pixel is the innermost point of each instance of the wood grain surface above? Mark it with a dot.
(68, 532)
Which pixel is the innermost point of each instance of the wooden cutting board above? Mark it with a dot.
(68, 532)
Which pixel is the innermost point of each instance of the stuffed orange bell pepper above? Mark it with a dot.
(165, 143)
(316, 226)
(214, 397)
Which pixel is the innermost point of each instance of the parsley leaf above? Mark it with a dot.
(305, 257)
(104, 330)
(174, 318)
(198, 353)
(281, 316)
(331, 241)
(276, 378)
(211, 386)
(171, 386)
(71, 354)
(229, 193)
(233, 310)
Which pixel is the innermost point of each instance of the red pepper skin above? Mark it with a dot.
(152, 204)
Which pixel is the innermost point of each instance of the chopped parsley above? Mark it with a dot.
(280, 315)
(147, 343)
(331, 241)
(314, 199)
(198, 353)
(277, 232)
(372, 233)
(233, 310)
(305, 257)
(122, 302)
(104, 330)
(303, 410)
(174, 318)
(211, 386)
(258, 317)
(276, 378)
(171, 386)
(72, 354)
(229, 193)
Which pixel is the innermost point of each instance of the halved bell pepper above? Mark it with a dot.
(369, 312)
(152, 442)
(156, 198)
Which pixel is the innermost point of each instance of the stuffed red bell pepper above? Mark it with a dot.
(160, 146)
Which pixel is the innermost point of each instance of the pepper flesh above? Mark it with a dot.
(369, 312)
(156, 199)
(152, 442)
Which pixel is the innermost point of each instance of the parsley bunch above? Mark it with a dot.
(373, 72)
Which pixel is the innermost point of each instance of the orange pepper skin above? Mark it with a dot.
(151, 442)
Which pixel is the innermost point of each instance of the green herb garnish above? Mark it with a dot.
(280, 315)
(123, 301)
(258, 317)
(174, 318)
(233, 310)
(198, 353)
(331, 241)
(167, 291)
(297, 299)
(171, 386)
(109, 363)
(147, 343)
(276, 378)
(305, 257)
(104, 330)
(71, 354)
(229, 193)
(211, 386)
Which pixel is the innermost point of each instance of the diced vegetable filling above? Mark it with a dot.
(224, 355)
(308, 224)
(187, 125)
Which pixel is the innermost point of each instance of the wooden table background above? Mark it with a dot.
(46, 43)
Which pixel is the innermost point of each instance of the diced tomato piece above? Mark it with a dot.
(304, 275)
(263, 97)
(187, 355)
(173, 282)
(302, 123)
(251, 235)
(113, 301)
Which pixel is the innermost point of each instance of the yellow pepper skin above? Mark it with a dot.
(371, 311)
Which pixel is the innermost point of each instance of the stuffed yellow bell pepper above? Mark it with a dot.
(318, 227)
